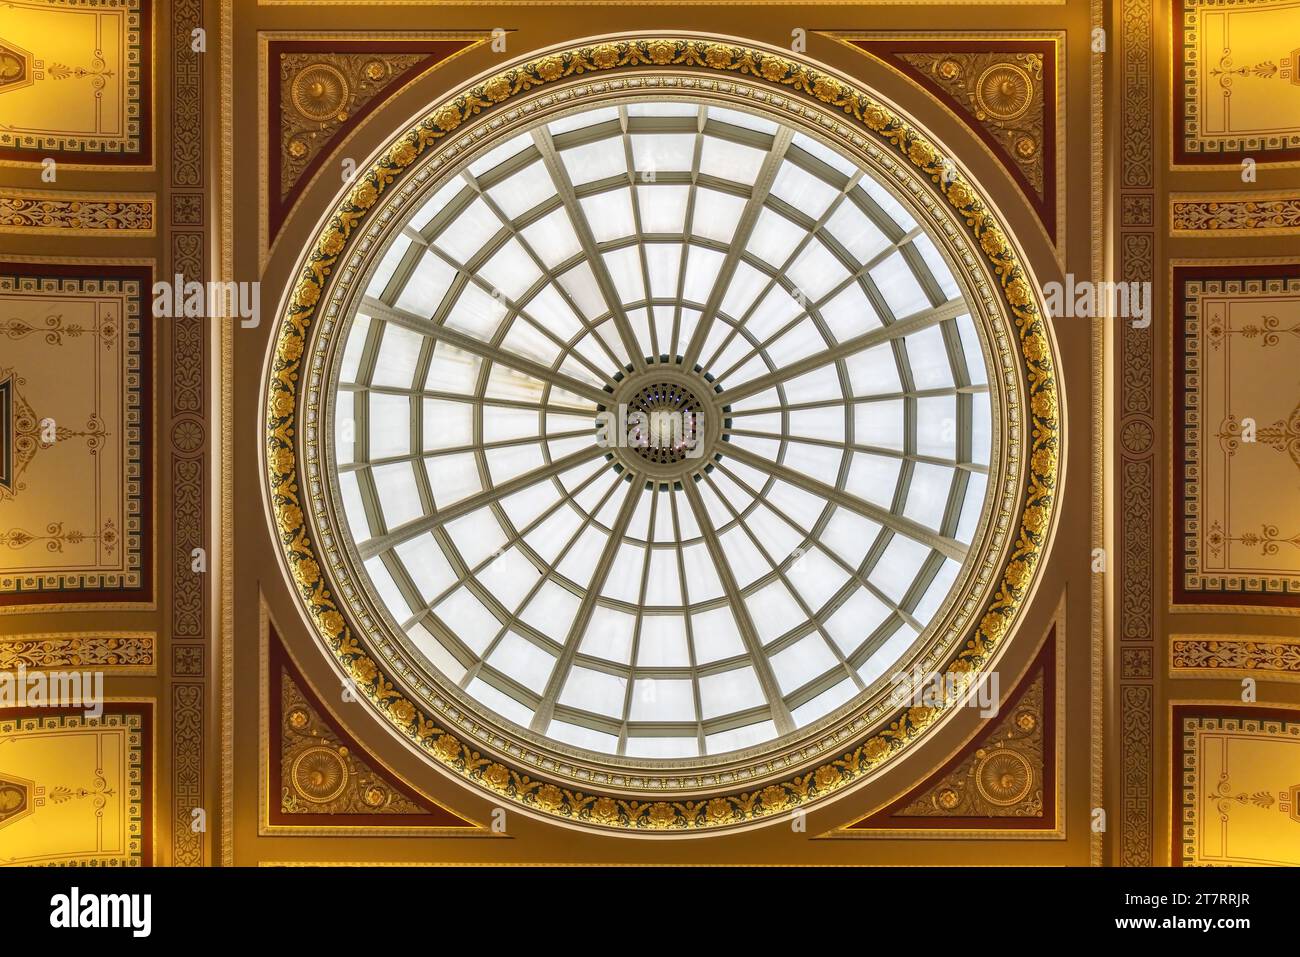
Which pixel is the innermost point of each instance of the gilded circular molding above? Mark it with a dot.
(319, 92)
(520, 770)
(1004, 92)
(319, 775)
(1003, 777)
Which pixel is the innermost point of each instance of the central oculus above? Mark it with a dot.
(662, 424)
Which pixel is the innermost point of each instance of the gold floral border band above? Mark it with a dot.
(289, 379)
(1229, 215)
(31, 212)
(1234, 656)
(112, 652)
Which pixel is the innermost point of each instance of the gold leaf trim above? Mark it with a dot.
(1228, 215)
(1231, 656)
(112, 652)
(33, 212)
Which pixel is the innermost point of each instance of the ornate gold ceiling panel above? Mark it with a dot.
(1234, 656)
(1236, 71)
(1234, 215)
(1237, 435)
(1236, 774)
(521, 772)
(28, 212)
(319, 92)
(78, 790)
(110, 652)
(76, 506)
(76, 83)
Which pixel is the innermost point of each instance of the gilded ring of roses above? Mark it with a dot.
(704, 794)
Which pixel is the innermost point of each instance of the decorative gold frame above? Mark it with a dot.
(149, 758)
(1175, 63)
(149, 105)
(1172, 441)
(95, 650)
(1172, 850)
(1249, 653)
(1244, 212)
(149, 401)
(289, 379)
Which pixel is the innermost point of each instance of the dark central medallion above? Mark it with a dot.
(663, 422)
(670, 426)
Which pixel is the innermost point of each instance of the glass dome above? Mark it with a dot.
(662, 430)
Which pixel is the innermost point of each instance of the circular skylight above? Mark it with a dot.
(662, 430)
